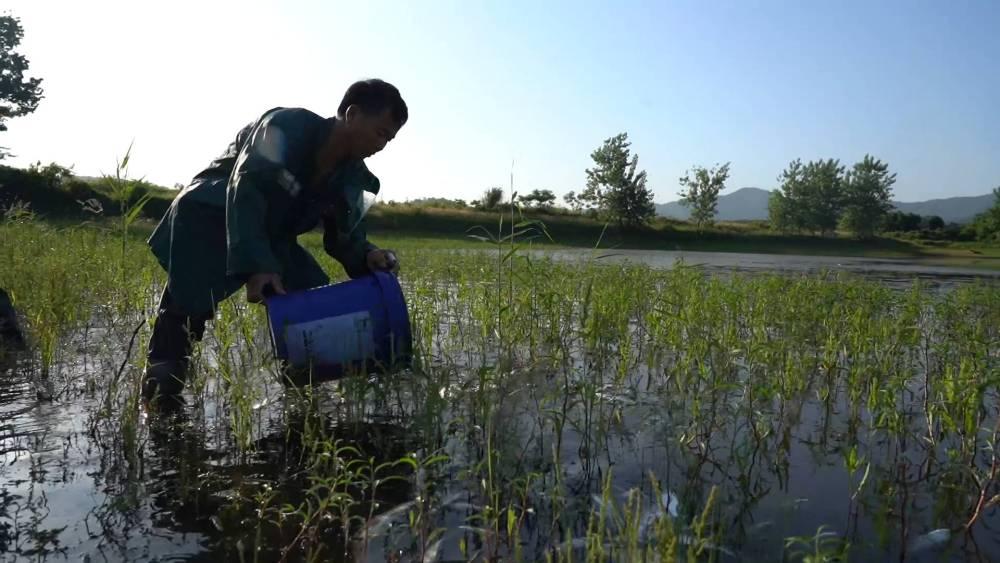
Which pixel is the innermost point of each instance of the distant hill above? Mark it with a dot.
(745, 204)
(952, 209)
(748, 204)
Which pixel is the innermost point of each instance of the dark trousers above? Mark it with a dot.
(10, 332)
(175, 332)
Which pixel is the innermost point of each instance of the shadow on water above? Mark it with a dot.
(64, 493)
(210, 494)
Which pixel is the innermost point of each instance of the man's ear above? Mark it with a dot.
(353, 112)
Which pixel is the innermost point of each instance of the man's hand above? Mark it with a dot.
(382, 260)
(257, 283)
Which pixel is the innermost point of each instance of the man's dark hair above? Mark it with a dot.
(374, 96)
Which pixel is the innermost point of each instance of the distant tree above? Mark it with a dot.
(867, 196)
(824, 195)
(900, 222)
(956, 231)
(615, 187)
(783, 211)
(781, 214)
(809, 198)
(935, 223)
(702, 193)
(491, 200)
(573, 202)
(986, 225)
(54, 175)
(539, 199)
(892, 221)
(18, 95)
(439, 202)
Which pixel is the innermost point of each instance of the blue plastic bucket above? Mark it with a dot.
(358, 326)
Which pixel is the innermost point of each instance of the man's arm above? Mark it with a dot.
(260, 181)
(249, 249)
(349, 248)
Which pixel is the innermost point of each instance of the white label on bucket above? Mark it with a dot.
(333, 340)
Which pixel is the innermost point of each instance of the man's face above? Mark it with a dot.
(369, 133)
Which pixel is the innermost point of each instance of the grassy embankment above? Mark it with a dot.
(449, 228)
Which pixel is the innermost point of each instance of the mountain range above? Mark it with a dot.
(749, 204)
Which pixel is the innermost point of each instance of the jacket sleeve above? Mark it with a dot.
(350, 249)
(260, 180)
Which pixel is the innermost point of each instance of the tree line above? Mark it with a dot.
(822, 195)
(817, 197)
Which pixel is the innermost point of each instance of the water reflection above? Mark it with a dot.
(794, 439)
(241, 505)
(898, 273)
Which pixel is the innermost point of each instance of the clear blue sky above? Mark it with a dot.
(916, 83)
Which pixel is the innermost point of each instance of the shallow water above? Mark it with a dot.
(69, 494)
(897, 273)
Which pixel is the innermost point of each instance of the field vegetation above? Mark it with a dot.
(556, 411)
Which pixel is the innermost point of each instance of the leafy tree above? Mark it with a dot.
(702, 194)
(54, 175)
(438, 202)
(898, 221)
(935, 223)
(615, 187)
(783, 211)
(18, 96)
(867, 196)
(491, 200)
(810, 197)
(780, 212)
(573, 202)
(987, 224)
(824, 195)
(539, 199)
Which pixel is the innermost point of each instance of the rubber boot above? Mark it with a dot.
(164, 378)
(174, 335)
(10, 333)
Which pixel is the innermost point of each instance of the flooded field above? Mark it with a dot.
(893, 272)
(561, 407)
